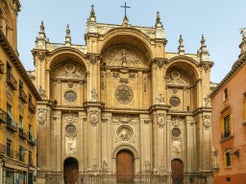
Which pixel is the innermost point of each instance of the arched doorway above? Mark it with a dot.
(71, 170)
(177, 171)
(125, 167)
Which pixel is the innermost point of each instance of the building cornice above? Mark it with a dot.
(235, 68)
(17, 63)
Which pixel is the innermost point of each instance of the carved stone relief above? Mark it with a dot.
(207, 121)
(94, 95)
(124, 132)
(176, 147)
(161, 120)
(70, 143)
(41, 116)
(124, 57)
(94, 117)
(70, 118)
(177, 121)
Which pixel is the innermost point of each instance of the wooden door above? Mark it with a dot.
(125, 167)
(71, 171)
(177, 171)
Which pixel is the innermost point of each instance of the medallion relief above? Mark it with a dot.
(124, 133)
(94, 117)
(161, 120)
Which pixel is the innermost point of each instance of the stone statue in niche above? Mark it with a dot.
(94, 95)
(42, 92)
(41, 116)
(147, 166)
(207, 102)
(160, 98)
(123, 60)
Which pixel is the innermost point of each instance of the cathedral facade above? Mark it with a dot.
(121, 109)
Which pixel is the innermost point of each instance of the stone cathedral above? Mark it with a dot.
(121, 109)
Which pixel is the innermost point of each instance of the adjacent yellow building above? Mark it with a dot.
(17, 105)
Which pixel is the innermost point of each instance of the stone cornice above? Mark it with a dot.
(235, 68)
(18, 65)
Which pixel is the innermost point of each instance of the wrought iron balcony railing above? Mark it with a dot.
(2, 148)
(3, 116)
(23, 134)
(1, 67)
(31, 139)
(11, 125)
(31, 107)
(22, 96)
(11, 81)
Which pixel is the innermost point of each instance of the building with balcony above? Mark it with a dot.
(229, 123)
(18, 98)
(122, 109)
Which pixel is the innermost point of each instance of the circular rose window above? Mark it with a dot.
(70, 96)
(123, 94)
(176, 132)
(70, 129)
(174, 101)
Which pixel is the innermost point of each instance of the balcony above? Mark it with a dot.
(31, 139)
(2, 148)
(3, 117)
(31, 107)
(11, 125)
(21, 156)
(10, 153)
(1, 67)
(23, 134)
(11, 81)
(30, 161)
(22, 96)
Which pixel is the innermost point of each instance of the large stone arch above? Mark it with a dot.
(68, 75)
(121, 37)
(125, 147)
(58, 54)
(181, 79)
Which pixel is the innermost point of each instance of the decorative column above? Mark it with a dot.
(93, 138)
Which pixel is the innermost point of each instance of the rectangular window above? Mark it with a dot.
(227, 126)
(21, 153)
(30, 158)
(20, 121)
(228, 158)
(9, 148)
(225, 93)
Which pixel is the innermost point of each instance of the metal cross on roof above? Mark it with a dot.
(125, 6)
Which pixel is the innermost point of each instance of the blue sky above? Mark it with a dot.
(219, 21)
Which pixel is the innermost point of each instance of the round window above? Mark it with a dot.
(124, 94)
(176, 132)
(70, 96)
(174, 101)
(70, 129)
